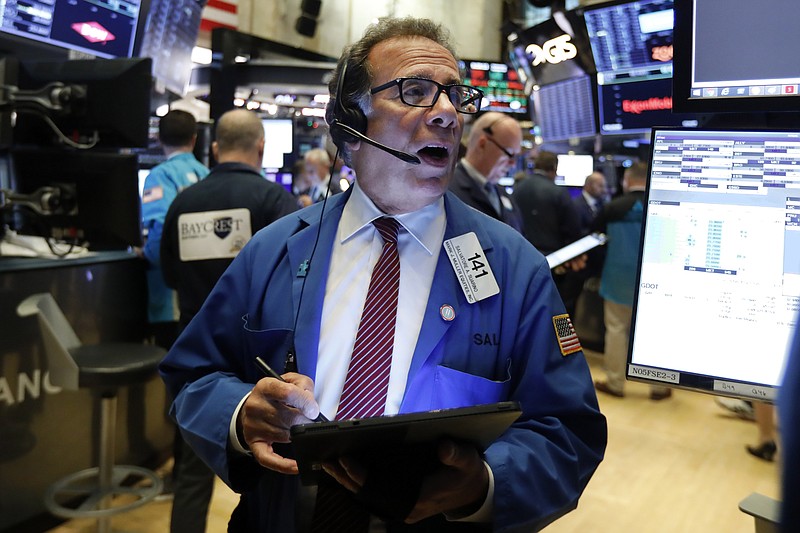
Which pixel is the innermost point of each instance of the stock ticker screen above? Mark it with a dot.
(501, 84)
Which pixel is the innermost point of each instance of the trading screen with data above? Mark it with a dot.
(719, 282)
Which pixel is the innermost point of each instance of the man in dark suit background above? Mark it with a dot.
(318, 166)
(492, 147)
(550, 220)
(591, 200)
(548, 213)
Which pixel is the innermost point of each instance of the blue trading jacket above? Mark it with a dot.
(161, 187)
(501, 348)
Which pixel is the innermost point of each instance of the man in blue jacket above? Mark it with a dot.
(177, 133)
(495, 331)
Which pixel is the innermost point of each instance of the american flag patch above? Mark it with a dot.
(152, 194)
(568, 340)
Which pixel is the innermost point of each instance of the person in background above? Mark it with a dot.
(548, 213)
(492, 148)
(767, 445)
(205, 228)
(621, 220)
(582, 286)
(441, 345)
(318, 167)
(177, 133)
(590, 202)
(550, 220)
(301, 186)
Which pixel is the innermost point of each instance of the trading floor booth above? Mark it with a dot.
(46, 433)
(70, 213)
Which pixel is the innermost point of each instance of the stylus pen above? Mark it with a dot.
(267, 370)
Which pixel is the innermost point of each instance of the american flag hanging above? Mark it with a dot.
(565, 333)
(220, 14)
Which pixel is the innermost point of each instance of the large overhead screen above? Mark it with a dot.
(737, 56)
(103, 28)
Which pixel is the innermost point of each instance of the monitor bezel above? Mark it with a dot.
(682, 102)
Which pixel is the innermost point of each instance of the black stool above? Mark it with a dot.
(104, 369)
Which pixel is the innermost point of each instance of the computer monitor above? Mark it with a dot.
(631, 40)
(279, 141)
(736, 56)
(718, 285)
(101, 28)
(565, 110)
(169, 36)
(99, 204)
(503, 90)
(635, 107)
(572, 169)
(116, 104)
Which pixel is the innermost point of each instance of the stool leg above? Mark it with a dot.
(108, 431)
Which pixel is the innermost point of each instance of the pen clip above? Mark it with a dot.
(290, 365)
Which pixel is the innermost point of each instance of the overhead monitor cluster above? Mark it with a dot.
(624, 48)
(164, 30)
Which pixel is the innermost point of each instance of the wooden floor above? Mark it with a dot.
(673, 466)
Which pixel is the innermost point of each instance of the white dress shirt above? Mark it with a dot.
(356, 249)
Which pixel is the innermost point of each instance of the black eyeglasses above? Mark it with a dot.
(421, 92)
(489, 135)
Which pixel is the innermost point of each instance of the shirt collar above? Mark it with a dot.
(472, 171)
(178, 153)
(360, 211)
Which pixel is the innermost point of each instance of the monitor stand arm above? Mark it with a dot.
(56, 97)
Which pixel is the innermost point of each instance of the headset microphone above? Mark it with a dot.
(403, 156)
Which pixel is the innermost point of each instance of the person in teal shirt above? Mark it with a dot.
(177, 132)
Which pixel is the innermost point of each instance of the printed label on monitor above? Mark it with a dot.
(658, 374)
(743, 389)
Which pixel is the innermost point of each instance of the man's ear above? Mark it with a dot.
(215, 150)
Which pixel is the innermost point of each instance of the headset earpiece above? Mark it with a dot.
(349, 115)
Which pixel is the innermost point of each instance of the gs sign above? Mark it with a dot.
(553, 51)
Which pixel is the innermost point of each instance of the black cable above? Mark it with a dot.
(290, 365)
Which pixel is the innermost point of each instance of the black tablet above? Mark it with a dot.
(414, 434)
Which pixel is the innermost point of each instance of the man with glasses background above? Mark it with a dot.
(493, 146)
(301, 307)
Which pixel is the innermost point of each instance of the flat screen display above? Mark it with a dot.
(100, 202)
(638, 106)
(631, 40)
(169, 37)
(572, 169)
(503, 90)
(565, 110)
(279, 136)
(737, 56)
(103, 28)
(718, 287)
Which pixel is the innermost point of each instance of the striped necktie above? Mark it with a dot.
(367, 378)
(367, 381)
